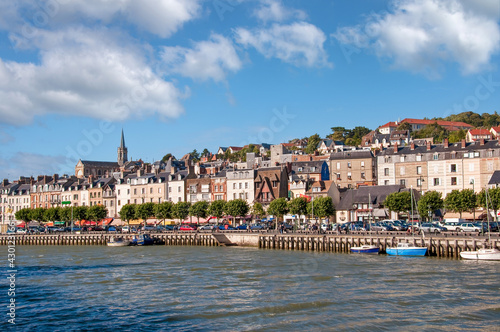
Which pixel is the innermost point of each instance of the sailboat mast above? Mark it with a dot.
(488, 215)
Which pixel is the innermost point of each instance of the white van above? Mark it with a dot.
(452, 224)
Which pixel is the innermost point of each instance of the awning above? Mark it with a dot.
(480, 214)
(22, 224)
(379, 213)
(105, 222)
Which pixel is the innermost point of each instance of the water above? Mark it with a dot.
(96, 288)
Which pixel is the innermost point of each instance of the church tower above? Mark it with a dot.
(122, 152)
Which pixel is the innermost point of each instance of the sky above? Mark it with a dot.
(179, 75)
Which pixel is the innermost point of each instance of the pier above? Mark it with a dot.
(444, 245)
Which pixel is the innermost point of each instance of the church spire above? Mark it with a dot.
(122, 151)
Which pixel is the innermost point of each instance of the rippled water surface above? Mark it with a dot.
(96, 288)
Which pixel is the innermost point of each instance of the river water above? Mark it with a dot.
(170, 288)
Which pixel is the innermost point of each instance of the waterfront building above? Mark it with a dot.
(350, 169)
(176, 185)
(441, 167)
(199, 188)
(218, 185)
(271, 183)
(477, 134)
(240, 184)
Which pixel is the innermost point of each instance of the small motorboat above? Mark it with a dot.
(118, 242)
(482, 254)
(142, 240)
(365, 249)
(404, 249)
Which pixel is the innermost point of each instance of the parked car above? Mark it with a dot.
(206, 227)
(378, 227)
(148, 228)
(451, 225)
(21, 230)
(432, 228)
(257, 227)
(187, 228)
(242, 227)
(468, 227)
(223, 227)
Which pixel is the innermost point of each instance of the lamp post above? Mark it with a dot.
(473, 191)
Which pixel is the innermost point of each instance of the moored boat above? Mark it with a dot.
(365, 249)
(118, 242)
(482, 254)
(142, 240)
(404, 249)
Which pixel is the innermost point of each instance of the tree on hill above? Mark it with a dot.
(457, 136)
(195, 155)
(167, 157)
(405, 126)
(205, 152)
(312, 143)
(432, 130)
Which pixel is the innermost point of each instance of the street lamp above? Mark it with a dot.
(473, 191)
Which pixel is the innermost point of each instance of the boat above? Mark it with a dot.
(142, 240)
(118, 242)
(482, 254)
(365, 249)
(404, 249)
(487, 254)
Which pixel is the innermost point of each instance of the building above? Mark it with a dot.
(219, 186)
(271, 183)
(240, 184)
(350, 169)
(477, 134)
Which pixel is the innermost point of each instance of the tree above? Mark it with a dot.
(195, 155)
(181, 210)
(323, 207)
(298, 207)
(457, 136)
(24, 215)
(339, 134)
(430, 201)
(80, 212)
(236, 208)
(96, 213)
(199, 209)
(65, 213)
(52, 214)
(127, 212)
(37, 214)
(205, 152)
(258, 210)
(167, 157)
(460, 201)
(405, 126)
(493, 199)
(312, 144)
(278, 208)
(145, 211)
(216, 209)
(398, 201)
(163, 211)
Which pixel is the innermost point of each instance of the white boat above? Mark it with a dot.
(482, 254)
(404, 249)
(365, 249)
(486, 254)
(118, 242)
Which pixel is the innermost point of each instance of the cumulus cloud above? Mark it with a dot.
(30, 164)
(160, 17)
(419, 35)
(210, 59)
(299, 43)
(273, 10)
(96, 73)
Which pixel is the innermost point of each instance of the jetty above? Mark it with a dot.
(443, 245)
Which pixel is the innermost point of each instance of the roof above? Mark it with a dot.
(389, 124)
(421, 149)
(353, 154)
(376, 195)
(497, 129)
(495, 178)
(479, 131)
(439, 122)
(100, 163)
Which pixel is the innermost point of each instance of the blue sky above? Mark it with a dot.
(179, 75)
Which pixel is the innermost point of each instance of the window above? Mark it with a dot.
(490, 153)
(454, 181)
(234, 185)
(402, 182)
(453, 168)
(362, 164)
(436, 156)
(490, 166)
(143, 190)
(471, 167)
(348, 164)
(246, 185)
(128, 191)
(362, 175)
(169, 189)
(234, 195)
(179, 189)
(119, 202)
(386, 171)
(240, 185)
(275, 184)
(419, 182)
(150, 190)
(402, 170)
(437, 181)
(402, 159)
(386, 182)
(118, 191)
(135, 191)
(159, 190)
(419, 169)
(338, 165)
(349, 175)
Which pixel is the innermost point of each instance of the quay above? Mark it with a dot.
(443, 245)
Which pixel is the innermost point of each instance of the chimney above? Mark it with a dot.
(55, 177)
(446, 143)
(412, 146)
(428, 145)
(481, 141)
(173, 169)
(5, 182)
(140, 172)
(396, 148)
(463, 143)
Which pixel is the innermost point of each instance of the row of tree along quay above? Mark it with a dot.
(458, 201)
(321, 207)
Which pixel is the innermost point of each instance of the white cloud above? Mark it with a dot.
(421, 35)
(300, 43)
(96, 73)
(210, 59)
(160, 17)
(30, 164)
(273, 10)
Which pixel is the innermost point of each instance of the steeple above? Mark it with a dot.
(122, 151)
